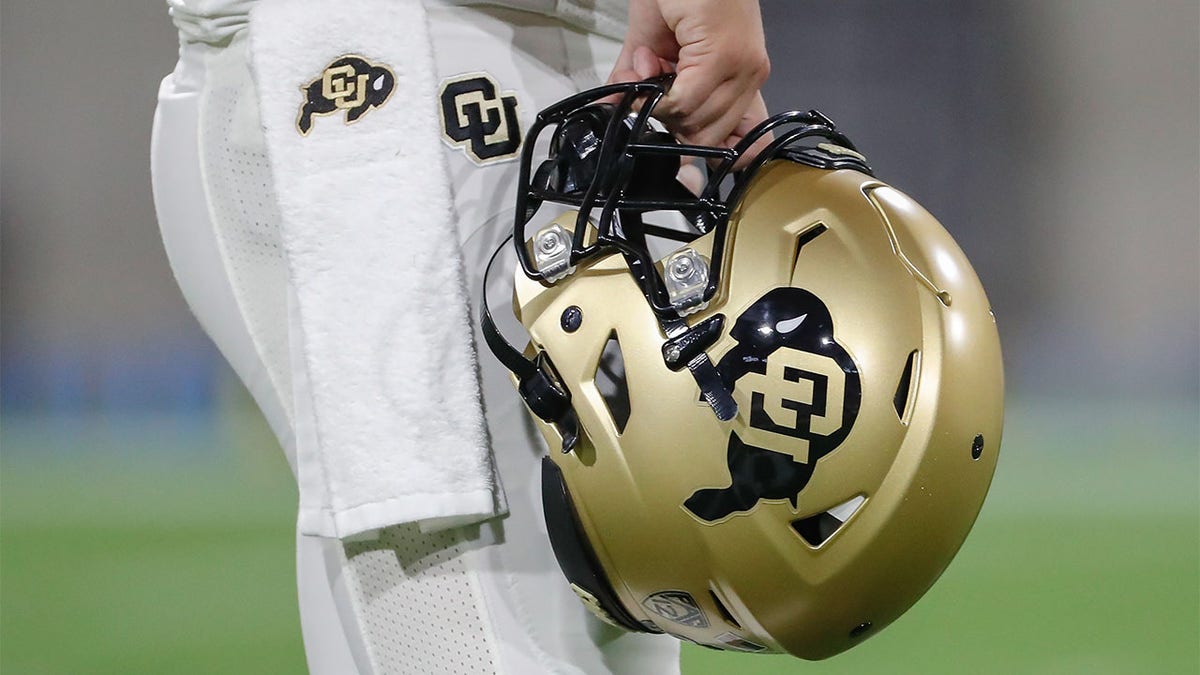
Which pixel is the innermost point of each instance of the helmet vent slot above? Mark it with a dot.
(611, 383)
(802, 239)
(817, 529)
(904, 390)
(724, 611)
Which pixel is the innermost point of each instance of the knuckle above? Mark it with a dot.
(762, 67)
(677, 111)
(755, 64)
(748, 61)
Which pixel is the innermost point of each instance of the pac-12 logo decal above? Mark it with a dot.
(677, 606)
(479, 118)
(802, 392)
(350, 84)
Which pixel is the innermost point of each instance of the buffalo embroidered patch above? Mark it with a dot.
(350, 84)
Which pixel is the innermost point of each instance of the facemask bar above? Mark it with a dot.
(616, 163)
(619, 226)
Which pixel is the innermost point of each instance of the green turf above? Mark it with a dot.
(135, 560)
(1036, 595)
(156, 555)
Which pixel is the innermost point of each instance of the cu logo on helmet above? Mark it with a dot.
(799, 393)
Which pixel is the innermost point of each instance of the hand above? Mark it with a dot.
(719, 55)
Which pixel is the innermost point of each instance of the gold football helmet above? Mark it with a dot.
(776, 435)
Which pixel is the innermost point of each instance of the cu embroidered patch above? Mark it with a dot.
(480, 119)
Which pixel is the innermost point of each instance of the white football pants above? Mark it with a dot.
(484, 599)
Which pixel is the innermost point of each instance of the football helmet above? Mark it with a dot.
(773, 434)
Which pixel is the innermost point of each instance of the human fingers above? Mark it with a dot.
(721, 66)
(647, 30)
(642, 64)
(754, 115)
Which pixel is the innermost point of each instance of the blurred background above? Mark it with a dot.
(146, 513)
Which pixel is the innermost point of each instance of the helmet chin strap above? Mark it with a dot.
(687, 348)
(697, 339)
(538, 384)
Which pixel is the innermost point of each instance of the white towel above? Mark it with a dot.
(389, 421)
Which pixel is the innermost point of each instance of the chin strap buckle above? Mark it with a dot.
(685, 348)
(550, 401)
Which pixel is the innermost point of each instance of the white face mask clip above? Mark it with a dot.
(686, 276)
(552, 252)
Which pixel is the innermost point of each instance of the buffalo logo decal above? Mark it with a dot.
(479, 118)
(799, 391)
(351, 84)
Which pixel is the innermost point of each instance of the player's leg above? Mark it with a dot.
(219, 223)
(465, 601)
